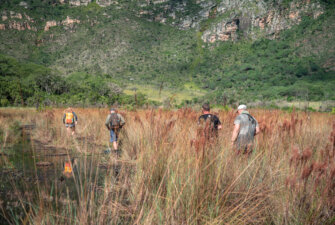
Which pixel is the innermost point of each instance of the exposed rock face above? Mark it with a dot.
(79, 2)
(267, 19)
(24, 4)
(223, 31)
(16, 21)
(16, 25)
(159, 1)
(29, 18)
(251, 18)
(218, 20)
(68, 22)
(102, 3)
(15, 15)
(49, 24)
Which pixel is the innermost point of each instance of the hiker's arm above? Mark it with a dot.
(235, 132)
(257, 130)
(64, 118)
(107, 122)
(122, 122)
(75, 117)
(219, 124)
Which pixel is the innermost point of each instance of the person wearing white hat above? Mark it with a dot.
(245, 129)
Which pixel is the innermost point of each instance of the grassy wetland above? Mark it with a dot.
(168, 173)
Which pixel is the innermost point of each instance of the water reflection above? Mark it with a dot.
(36, 175)
(68, 167)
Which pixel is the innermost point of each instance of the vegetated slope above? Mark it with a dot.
(105, 41)
(299, 64)
(127, 49)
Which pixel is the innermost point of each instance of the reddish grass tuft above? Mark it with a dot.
(306, 155)
(307, 172)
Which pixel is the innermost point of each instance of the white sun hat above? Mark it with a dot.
(241, 107)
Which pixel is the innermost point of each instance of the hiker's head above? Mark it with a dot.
(112, 110)
(206, 107)
(68, 110)
(241, 108)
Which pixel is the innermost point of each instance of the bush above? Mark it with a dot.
(4, 102)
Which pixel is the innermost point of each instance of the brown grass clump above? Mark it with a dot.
(172, 172)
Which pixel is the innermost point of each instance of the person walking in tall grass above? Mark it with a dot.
(114, 123)
(210, 122)
(245, 129)
(70, 120)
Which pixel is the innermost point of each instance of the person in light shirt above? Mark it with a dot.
(245, 129)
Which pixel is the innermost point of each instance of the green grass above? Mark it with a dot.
(152, 92)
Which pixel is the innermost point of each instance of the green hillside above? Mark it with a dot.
(114, 49)
(298, 65)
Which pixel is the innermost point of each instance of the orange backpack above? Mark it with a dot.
(67, 167)
(69, 118)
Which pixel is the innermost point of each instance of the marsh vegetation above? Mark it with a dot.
(167, 173)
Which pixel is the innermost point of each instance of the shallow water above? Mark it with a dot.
(30, 173)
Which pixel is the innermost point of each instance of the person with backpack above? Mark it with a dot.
(211, 122)
(114, 123)
(70, 120)
(245, 129)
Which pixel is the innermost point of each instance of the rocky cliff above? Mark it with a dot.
(225, 20)
(16, 21)
(102, 3)
(219, 20)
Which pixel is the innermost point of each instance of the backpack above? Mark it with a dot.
(67, 167)
(208, 124)
(69, 118)
(253, 123)
(115, 121)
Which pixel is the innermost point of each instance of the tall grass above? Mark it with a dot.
(170, 174)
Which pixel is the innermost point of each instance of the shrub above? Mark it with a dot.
(4, 102)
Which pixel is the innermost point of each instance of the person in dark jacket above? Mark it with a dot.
(210, 122)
